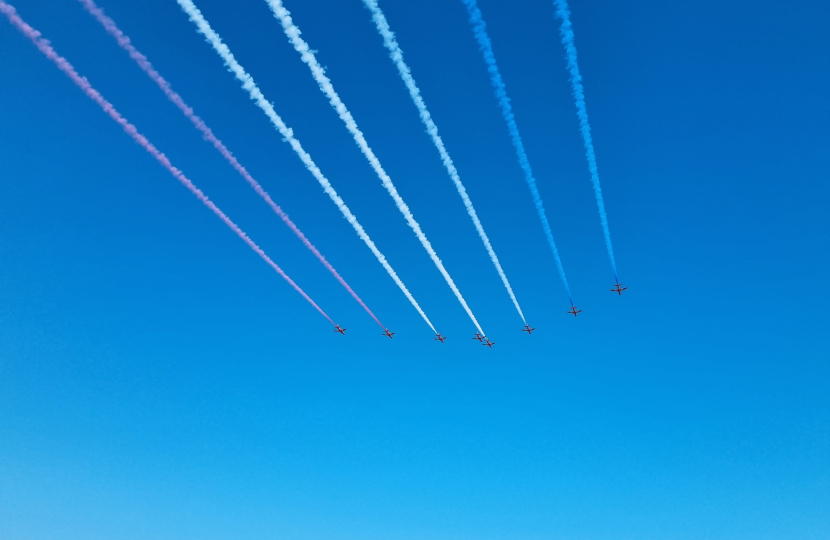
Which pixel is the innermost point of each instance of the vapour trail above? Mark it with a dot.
(288, 135)
(486, 47)
(567, 32)
(323, 81)
(64, 65)
(177, 100)
(396, 54)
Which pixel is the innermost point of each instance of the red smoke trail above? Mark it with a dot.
(131, 130)
(148, 68)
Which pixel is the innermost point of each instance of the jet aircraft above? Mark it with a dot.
(528, 329)
(489, 343)
(574, 311)
(478, 337)
(338, 329)
(388, 333)
(439, 337)
(617, 289)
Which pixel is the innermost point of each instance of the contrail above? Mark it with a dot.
(148, 68)
(396, 54)
(480, 31)
(64, 65)
(323, 81)
(288, 135)
(567, 32)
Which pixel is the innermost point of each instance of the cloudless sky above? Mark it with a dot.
(158, 380)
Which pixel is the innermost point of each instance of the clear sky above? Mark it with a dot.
(158, 380)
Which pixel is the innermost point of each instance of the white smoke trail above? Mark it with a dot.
(396, 54)
(248, 84)
(323, 81)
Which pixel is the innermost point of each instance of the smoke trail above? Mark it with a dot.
(480, 31)
(145, 64)
(396, 54)
(288, 135)
(132, 131)
(323, 81)
(567, 32)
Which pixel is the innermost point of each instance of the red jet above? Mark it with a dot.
(574, 311)
(439, 337)
(528, 329)
(338, 329)
(478, 337)
(489, 343)
(617, 289)
(388, 333)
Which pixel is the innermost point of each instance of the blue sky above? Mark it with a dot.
(158, 380)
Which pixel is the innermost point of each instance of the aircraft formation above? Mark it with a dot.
(308, 56)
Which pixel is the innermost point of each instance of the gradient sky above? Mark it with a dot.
(158, 380)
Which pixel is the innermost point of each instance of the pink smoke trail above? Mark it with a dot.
(199, 124)
(132, 131)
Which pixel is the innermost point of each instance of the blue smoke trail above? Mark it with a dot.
(567, 32)
(480, 31)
